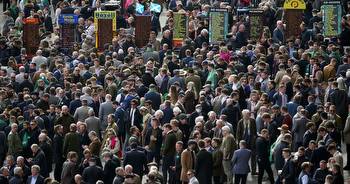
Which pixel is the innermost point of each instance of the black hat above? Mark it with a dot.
(92, 159)
(192, 142)
(31, 106)
(182, 94)
(182, 116)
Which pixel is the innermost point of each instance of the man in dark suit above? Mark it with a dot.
(345, 66)
(92, 173)
(153, 141)
(35, 176)
(26, 170)
(194, 115)
(4, 175)
(280, 98)
(136, 159)
(120, 116)
(288, 175)
(240, 162)
(340, 99)
(241, 38)
(135, 117)
(278, 33)
(39, 159)
(218, 169)
(204, 166)
(232, 111)
(154, 96)
(311, 107)
(168, 113)
(58, 151)
(321, 173)
(262, 153)
(310, 134)
(168, 151)
(320, 153)
(246, 130)
(48, 21)
(277, 152)
(155, 24)
(109, 168)
(176, 168)
(16, 178)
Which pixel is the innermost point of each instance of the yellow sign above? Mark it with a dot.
(105, 15)
(111, 15)
(294, 4)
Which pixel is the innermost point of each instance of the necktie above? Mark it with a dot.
(132, 116)
(193, 160)
(283, 100)
(246, 133)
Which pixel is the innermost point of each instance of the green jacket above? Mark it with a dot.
(218, 169)
(65, 121)
(213, 78)
(72, 142)
(14, 144)
(169, 144)
(196, 80)
(228, 146)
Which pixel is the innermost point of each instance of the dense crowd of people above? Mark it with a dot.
(196, 113)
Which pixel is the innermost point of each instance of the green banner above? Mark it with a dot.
(331, 17)
(180, 26)
(218, 25)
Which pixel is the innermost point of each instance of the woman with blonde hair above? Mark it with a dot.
(146, 117)
(174, 94)
(190, 98)
(112, 126)
(112, 143)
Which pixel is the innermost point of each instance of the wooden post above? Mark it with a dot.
(142, 30)
(293, 17)
(105, 28)
(68, 32)
(31, 35)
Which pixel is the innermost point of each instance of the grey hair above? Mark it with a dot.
(177, 110)
(159, 112)
(199, 119)
(245, 111)
(17, 170)
(226, 128)
(36, 167)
